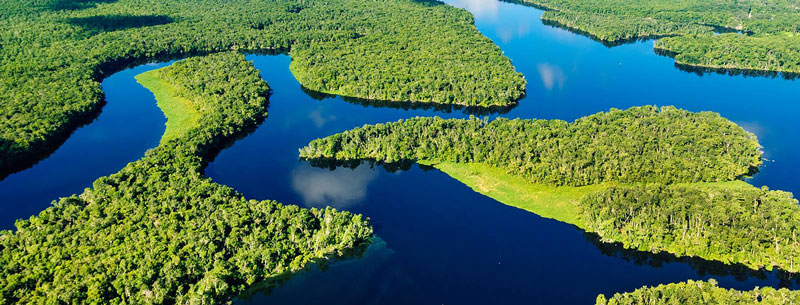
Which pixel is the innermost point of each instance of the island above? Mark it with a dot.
(745, 36)
(700, 292)
(54, 53)
(158, 231)
(652, 179)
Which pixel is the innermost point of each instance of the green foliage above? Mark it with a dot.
(769, 52)
(698, 292)
(641, 144)
(693, 206)
(53, 52)
(771, 43)
(158, 232)
(180, 112)
(612, 28)
(731, 223)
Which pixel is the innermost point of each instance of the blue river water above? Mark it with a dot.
(438, 242)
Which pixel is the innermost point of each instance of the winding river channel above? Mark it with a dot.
(438, 241)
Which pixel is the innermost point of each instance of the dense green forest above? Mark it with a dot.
(731, 224)
(54, 52)
(652, 171)
(767, 38)
(640, 144)
(158, 231)
(699, 292)
(775, 52)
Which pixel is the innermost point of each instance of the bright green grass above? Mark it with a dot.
(181, 115)
(555, 202)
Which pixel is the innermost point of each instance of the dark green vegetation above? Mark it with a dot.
(53, 52)
(658, 180)
(697, 292)
(731, 223)
(776, 52)
(641, 144)
(770, 41)
(158, 231)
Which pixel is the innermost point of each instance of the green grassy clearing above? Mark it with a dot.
(180, 112)
(555, 202)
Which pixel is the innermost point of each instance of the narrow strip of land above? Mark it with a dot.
(181, 114)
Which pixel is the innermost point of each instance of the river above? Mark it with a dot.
(438, 241)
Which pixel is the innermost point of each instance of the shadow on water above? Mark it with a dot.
(716, 29)
(703, 267)
(108, 23)
(332, 164)
(32, 157)
(444, 108)
(607, 43)
(42, 152)
(213, 149)
(322, 264)
(700, 71)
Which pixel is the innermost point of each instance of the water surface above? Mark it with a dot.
(129, 124)
(438, 241)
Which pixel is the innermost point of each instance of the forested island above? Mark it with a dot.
(54, 52)
(753, 35)
(652, 179)
(699, 292)
(158, 231)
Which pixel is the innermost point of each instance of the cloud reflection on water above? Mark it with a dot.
(340, 188)
(318, 119)
(552, 76)
(482, 9)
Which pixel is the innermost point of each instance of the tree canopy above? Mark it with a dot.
(54, 52)
(754, 35)
(727, 223)
(640, 144)
(656, 170)
(158, 231)
(700, 293)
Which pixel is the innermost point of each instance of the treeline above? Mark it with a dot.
(700, 293)
(768, 37)
(612, 29)
(727, 223)
(158, 231)
(774, 52)
(640, 144)
(749, 16)
(660, 167)
(54, 52)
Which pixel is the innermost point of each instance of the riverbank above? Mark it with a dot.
(181, 114)
(162, 232)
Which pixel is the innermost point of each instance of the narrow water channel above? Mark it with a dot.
(438, 241)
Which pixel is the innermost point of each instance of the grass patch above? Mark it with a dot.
(180, 112)
(554, 202)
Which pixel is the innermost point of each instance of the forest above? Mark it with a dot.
(776, 52)
(659, 171)
(700, 292)
(640, 144)
(753, 35)
(53, 53)
(742, 224)
(158, 231)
